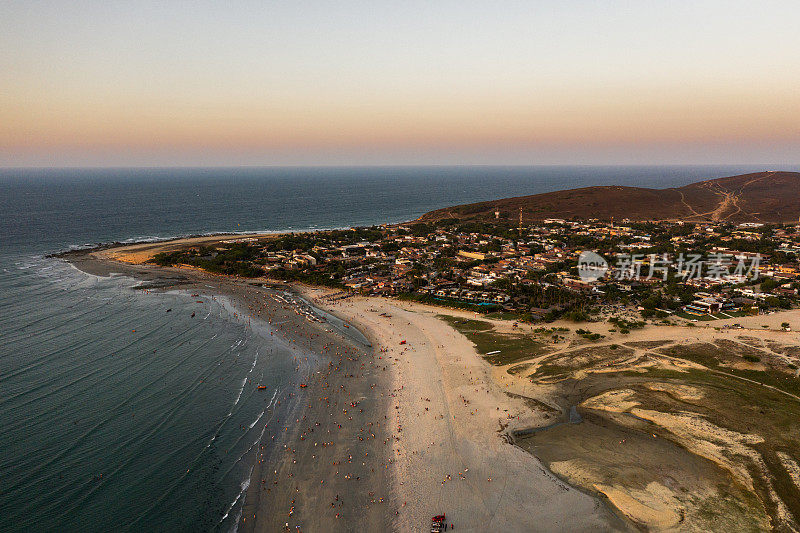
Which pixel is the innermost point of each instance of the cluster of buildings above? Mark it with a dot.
(503, 266)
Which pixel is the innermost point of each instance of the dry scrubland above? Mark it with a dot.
(681, 427)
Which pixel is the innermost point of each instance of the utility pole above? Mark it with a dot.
(520, 222)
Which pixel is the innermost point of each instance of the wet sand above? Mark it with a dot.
(384, 437)
(328, 470)
(322, 467)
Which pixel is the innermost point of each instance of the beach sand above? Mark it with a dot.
(420, 424)
(384, 437)
(328, 466)
(447, 421)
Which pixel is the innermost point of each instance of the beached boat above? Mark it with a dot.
(438, 524)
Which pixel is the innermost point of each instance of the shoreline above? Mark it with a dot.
(450, 416)
(289, 464)
(411, 477)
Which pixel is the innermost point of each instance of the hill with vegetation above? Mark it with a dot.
(769, 196)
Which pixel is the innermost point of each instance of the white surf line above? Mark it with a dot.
(244, 486)
(238, 396)
(255, 360)
(257, 419)
(273, 398)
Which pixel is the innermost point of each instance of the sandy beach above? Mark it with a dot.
(329, 438)
(409, 420)
(447, 421)
(325, 468)
(452, 417)
(383, 437)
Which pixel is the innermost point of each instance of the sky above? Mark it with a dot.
(180, 83)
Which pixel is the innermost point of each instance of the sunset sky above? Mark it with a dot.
(413, 82)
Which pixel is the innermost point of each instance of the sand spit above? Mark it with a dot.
(672, 426)
(383, 437)
(321, 464)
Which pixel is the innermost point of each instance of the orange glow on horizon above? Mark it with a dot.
(595, 119)
(82, 83)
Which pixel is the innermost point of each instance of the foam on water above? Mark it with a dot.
(244, 486)
(239, 395)
(142, 327)
(118, 414)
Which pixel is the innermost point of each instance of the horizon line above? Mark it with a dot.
(431, 165)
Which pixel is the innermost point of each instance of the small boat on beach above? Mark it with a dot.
(438, 523)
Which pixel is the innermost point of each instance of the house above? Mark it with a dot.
(472, 255)
(707, 306)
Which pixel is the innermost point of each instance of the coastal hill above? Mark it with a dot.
(769, 196)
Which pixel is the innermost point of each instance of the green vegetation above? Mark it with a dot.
(621, 323)
(714, 357)
(587, 357)
(588, 335)
(511, 348)
(235, 260)
(307, 277)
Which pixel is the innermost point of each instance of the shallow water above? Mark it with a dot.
(119, 414)
(110, 401)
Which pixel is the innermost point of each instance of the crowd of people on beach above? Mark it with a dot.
(338, 443)
(334, 425)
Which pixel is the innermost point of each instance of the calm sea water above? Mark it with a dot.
(117, 414)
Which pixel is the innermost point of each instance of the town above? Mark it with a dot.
(532, 272)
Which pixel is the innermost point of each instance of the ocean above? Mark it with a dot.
(117, 413)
